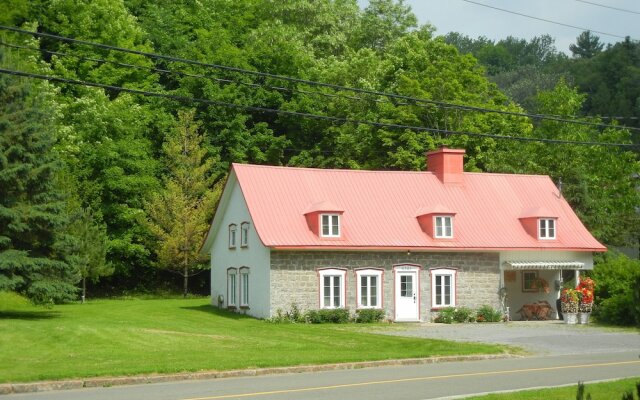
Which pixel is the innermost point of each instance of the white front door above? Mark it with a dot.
(407, 294)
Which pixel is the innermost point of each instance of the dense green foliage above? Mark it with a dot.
(32, 211)
(134, 336)
(616, 294)
(111, 146)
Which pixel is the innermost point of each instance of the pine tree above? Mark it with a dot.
(179, 214)
(32, 211)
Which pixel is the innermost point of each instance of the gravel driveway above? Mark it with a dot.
(538, 337)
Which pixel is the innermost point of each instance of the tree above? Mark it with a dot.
(599, 182)
(32, 212)
(587, 45)
(88, 248)
(179, 214)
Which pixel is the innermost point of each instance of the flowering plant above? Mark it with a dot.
(569, 299)
(585, 293)
(540, 283)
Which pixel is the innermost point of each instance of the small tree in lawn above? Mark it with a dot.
(179, 215)
(88, 248)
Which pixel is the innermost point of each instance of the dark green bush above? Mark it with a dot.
(486, 313)
(445, 315)
(332, 316)
(463, 314)
(369, 315)
(616, 292)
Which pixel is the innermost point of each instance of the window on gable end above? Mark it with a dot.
(244, 287)
(547, 228)
(330, 225)
(443, 227)
(244, 234)
(232, 236)
(232, 287)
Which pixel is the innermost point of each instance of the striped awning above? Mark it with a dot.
(543, 265)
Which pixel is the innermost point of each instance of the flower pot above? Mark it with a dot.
(570, 318)
(584, 317)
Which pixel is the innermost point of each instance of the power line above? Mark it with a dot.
(410, 99)
(610, 7)
(305, 115)
(542, 19)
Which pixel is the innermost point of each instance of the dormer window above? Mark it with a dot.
(546, 228)
(330, 225)
(443, 227)
(232, 236)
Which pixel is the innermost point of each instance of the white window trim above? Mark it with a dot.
(442, 218)
(443, 272)
(342, 276)
(331, 233)
(232, 287)
(233, 231)
(244, 292)
(244, 234)
(369, 272)
(546, 235)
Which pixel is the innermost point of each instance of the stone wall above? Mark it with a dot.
(294, 277)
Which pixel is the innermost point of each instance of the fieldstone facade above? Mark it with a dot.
(294, 277)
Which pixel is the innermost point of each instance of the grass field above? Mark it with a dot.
(126, 337)
(599, 391)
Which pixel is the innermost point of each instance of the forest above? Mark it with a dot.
(119, 120)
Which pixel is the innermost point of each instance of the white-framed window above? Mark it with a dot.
(330, 225)
(443, 287)
(332, 287)
(546, 228)
(232, 235)
(244, 287)
(369, 289)
(443, 226)
(232, 287)
(244, 234)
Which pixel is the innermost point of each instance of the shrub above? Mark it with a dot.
(332, 316)
(445, 315)
(486, 313)
(616, 294)
(369, 315)
(463, 314)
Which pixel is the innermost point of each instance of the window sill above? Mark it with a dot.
(440, 308)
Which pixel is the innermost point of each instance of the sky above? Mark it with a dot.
(474, 20)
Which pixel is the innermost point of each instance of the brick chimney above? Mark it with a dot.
(447, 164)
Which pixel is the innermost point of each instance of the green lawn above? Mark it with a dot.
(125, 337)
(599, 391)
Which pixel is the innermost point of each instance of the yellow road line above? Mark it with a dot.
(424, 378)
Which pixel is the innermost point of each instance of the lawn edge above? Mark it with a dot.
(69, 384)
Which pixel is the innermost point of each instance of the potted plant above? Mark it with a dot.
(585, 294)
(569, 300)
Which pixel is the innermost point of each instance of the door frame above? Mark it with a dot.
(411, 269)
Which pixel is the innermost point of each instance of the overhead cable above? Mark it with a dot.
(306, 115)
(543, 19)
(409, 99)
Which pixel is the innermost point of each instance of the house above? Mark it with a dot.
(410, 243)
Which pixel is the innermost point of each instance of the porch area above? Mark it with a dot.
(530, 289)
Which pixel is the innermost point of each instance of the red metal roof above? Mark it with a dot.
(380, 209)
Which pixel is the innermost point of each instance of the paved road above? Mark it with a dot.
(428, 381)
(583, 355)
